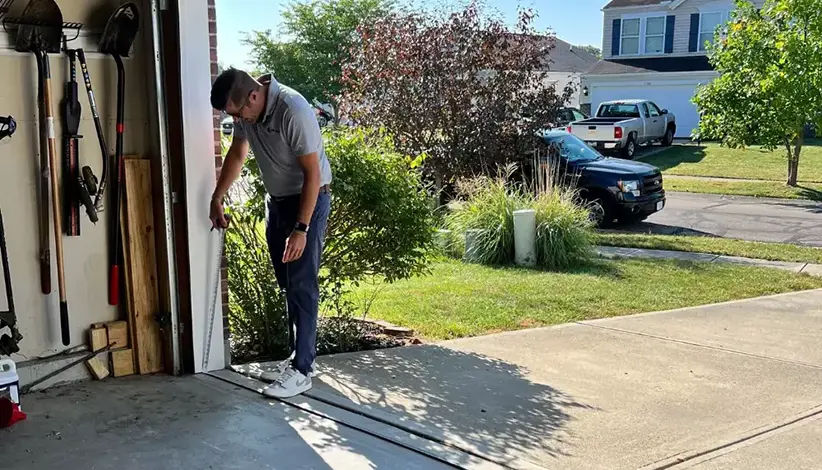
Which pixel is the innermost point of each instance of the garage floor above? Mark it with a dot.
(194, 422)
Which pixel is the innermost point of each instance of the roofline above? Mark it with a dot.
(635, 75)
(640, 7)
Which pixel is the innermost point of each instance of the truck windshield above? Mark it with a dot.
(570, 148)
(619, 110)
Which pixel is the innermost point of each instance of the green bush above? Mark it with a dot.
(382, 222)
(380, 228)
(486, 206)
(564, 233)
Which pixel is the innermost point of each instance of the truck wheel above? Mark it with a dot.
(630, 148)
(669, 137)
(600, 211)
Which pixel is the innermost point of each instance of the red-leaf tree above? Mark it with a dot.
(463, 89)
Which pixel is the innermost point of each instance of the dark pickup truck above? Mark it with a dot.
(613, 188)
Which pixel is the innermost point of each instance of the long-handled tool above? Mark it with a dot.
(71, 125)
(215, 292)
(98, 191)
(41, 32)
(116, 41)
(7, 127)
(77, 189)
(8, 342)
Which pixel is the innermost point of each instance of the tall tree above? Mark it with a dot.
(318, 35)
(464, 89)
(770, 78)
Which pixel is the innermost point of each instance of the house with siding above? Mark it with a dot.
(656, 50)
(566, 64)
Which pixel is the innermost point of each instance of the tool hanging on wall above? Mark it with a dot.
(8, 342)
(116, 41)
(41, 32)
(98, 191)
(7, 127)
(76, 189)
(71, 125)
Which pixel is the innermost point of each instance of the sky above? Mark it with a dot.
(576, 21)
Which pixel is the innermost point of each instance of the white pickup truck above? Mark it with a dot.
(622, 125)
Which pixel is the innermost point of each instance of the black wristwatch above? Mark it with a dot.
(301, 227)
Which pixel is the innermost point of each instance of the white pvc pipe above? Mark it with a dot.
(525, 238)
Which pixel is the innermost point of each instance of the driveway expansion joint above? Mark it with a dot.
(591, 324)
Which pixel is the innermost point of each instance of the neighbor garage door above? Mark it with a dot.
(673, 96)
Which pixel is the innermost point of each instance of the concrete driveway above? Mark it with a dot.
(760, 219)
(195, 422)
(736, 385)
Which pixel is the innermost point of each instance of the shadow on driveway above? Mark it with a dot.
(489, 405)
(651, 228)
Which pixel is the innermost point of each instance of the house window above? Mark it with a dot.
(654, 35)
(630, 37)
(708, 24)
(644, 35)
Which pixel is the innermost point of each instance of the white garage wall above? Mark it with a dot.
(671, 91)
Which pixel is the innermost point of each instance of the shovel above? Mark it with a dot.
(41, 32)
(116, 41)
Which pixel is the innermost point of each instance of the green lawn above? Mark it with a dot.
(717, 246)
(812, 191)
(458, 299)
(751, 163)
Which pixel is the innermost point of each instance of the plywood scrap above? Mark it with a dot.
(98, 368)
(122, 362)
(143, 298)
(97, 337)
(117, 334)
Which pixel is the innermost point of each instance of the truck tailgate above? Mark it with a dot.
(591, 130)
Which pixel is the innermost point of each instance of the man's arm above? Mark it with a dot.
(310, 164)
(302, 132)
(230, 171)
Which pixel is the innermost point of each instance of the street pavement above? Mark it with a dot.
(731, 386)
(759, 219)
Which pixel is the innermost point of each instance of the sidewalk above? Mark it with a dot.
(620, 252)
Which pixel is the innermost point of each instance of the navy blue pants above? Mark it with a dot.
(299, 278)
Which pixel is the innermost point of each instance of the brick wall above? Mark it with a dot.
(218, 159)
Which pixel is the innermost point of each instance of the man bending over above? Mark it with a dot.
(279, 125)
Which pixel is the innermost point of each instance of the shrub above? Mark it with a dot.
(564, 233)
(382, 222)
(486, 205)
(380, 228)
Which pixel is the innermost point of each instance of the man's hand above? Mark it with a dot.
(294, 246)
(217, 215)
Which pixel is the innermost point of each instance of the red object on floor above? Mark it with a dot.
(9, 413)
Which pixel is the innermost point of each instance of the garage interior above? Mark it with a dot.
(156, 325)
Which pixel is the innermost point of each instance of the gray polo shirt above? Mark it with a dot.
(288, 129)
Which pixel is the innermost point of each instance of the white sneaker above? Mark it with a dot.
(274, 374)
(291, 383)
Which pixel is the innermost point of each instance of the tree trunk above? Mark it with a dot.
(793, 160)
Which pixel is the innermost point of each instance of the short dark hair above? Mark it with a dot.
(233, 86)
